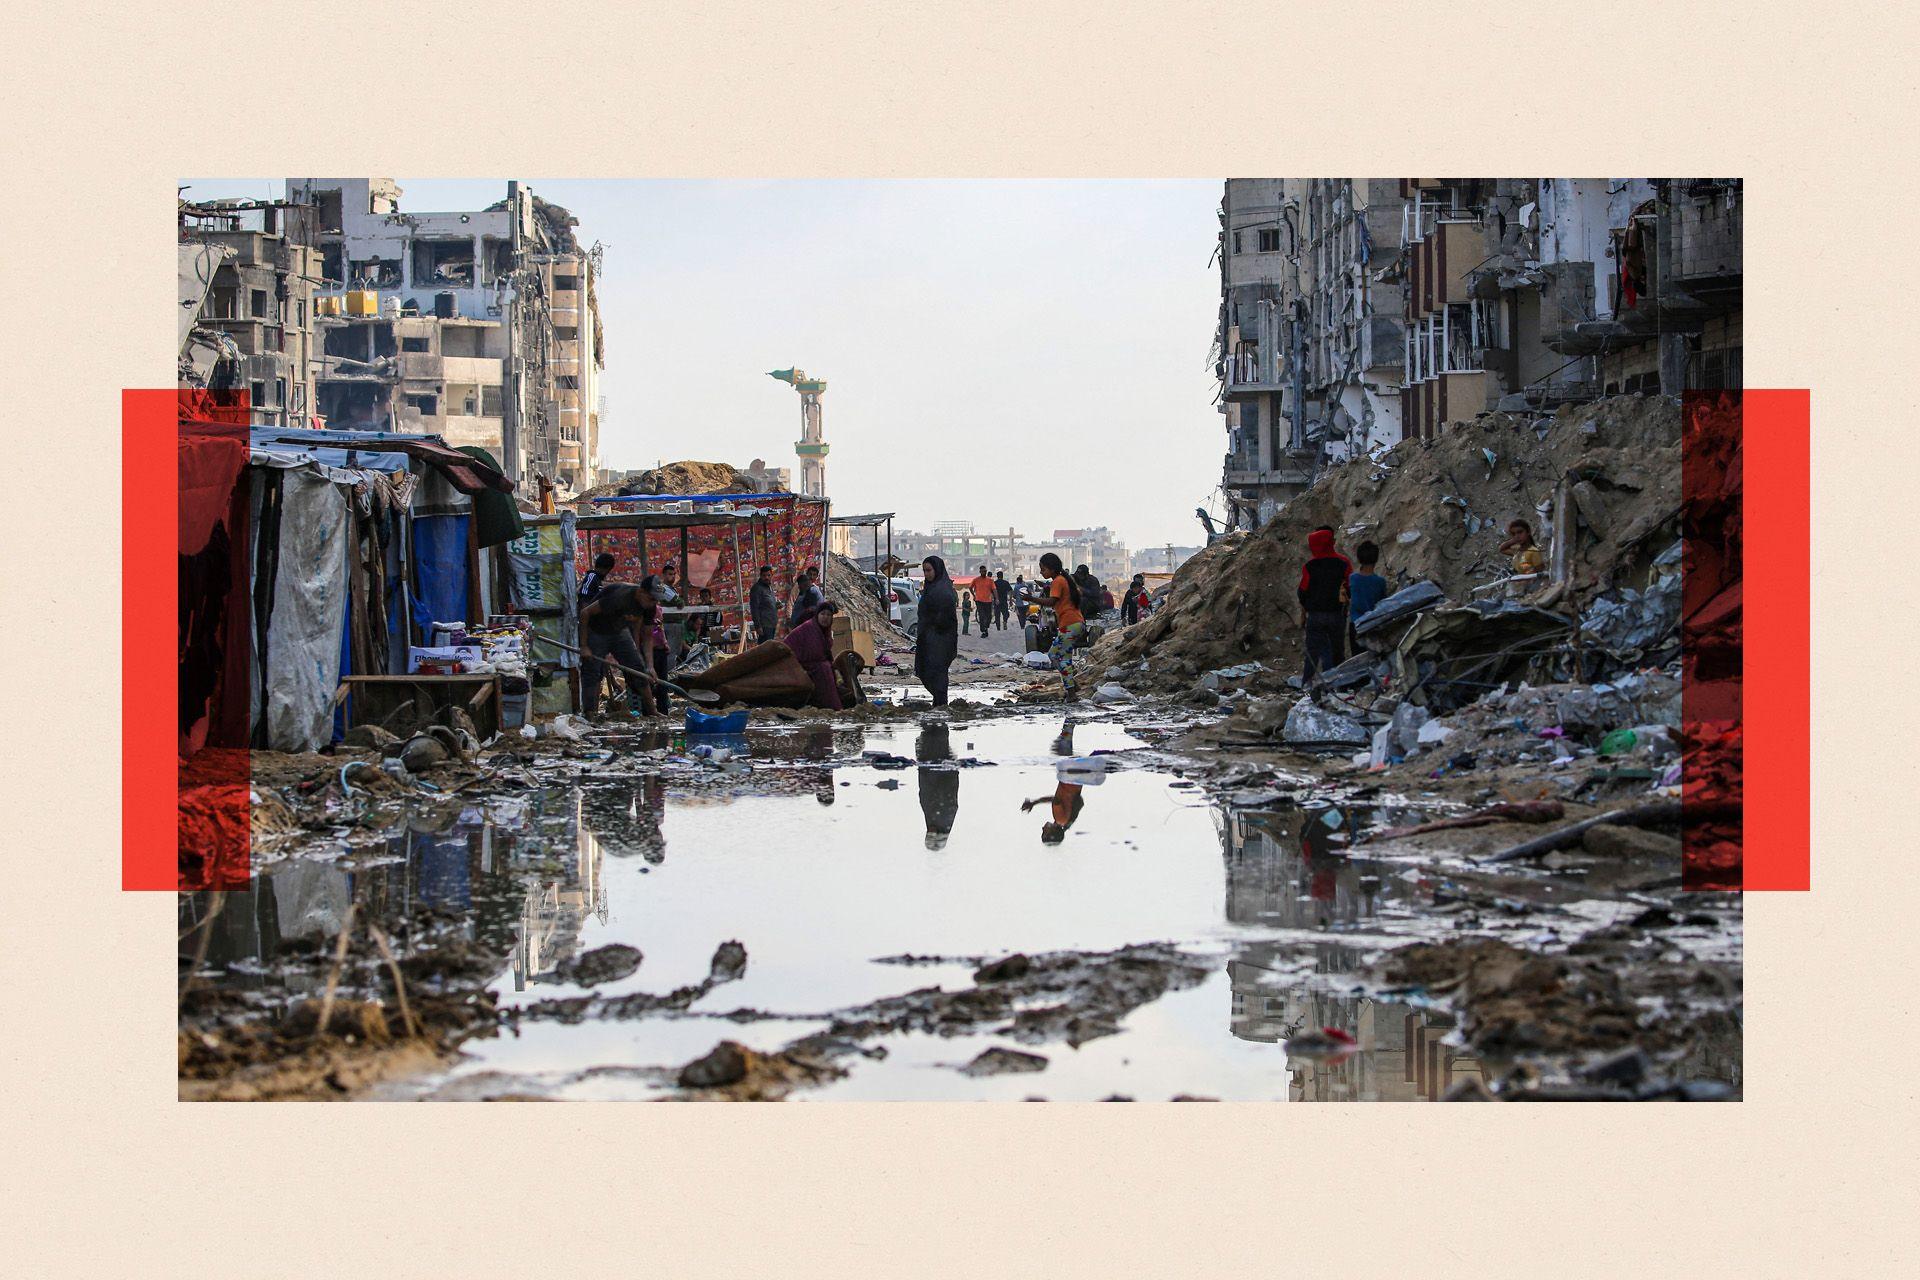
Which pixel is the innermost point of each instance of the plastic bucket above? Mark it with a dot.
(699, 722)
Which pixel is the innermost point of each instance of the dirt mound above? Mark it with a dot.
(1438, 510)
(679, 477)
(847, 587)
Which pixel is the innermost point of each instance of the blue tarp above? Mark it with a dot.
(330, 448)
(440, 569)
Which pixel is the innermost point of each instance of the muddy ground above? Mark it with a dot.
(868, 905)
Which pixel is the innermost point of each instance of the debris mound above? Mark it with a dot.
(678, 478)
(1438, 511)
(853, 591)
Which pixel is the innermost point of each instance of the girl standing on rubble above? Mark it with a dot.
(1063, 597)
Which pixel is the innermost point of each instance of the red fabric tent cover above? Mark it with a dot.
(789, 538)
(212, 459)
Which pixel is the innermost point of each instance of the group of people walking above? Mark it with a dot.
(988, 599)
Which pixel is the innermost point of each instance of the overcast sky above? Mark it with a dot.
(1016, 353)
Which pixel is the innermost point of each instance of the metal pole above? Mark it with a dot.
(739, 593)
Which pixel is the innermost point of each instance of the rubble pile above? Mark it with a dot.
(1438, 510)
(678, 477)
(849, 588)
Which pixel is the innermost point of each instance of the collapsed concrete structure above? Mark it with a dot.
(1599, 483)
(1355, 312)
(337, 308)
(247, 277)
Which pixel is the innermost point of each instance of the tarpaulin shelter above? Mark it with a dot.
(704, 534)
(360, 541)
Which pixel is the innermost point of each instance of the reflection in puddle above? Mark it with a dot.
(1019, 835)
(1286, 869)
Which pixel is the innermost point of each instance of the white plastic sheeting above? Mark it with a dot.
(302, 647)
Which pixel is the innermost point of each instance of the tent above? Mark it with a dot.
(359, 543)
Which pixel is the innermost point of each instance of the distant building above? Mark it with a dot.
(1100, 549)
(956, 542)
(1164, 559)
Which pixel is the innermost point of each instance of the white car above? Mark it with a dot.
(901, 596)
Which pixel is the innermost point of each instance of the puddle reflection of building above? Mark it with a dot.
(628, 818)
(939, 785)
(443, 875)
(1285, 869)
(553, 910)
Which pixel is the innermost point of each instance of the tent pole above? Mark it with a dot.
(739, 593)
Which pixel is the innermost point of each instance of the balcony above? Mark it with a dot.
(1244, 374)
(1239, 469)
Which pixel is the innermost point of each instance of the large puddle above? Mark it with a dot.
(830, 853)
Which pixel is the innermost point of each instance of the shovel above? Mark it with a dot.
(704, 696)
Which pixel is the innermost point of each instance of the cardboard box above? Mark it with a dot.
(846, 639)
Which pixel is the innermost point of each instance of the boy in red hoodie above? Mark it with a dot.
(1323, 583)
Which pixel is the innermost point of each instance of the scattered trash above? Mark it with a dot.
(1619, 742)
(1315, 725)
(1399, 738)
(997, 1061)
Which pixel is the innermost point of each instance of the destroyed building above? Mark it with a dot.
(1357, 311)
(247, 277)
(480, 326)
(1309, 345)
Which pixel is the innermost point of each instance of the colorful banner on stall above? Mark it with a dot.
(791, 536)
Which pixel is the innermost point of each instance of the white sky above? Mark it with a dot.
(1011, 352)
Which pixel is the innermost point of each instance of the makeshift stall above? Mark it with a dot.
(559, 548)
(874, 522)
(786, 532)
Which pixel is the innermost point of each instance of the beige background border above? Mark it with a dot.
(104, 1174)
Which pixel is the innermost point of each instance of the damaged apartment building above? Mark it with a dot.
(481, 326)
(1358, 311)
(1309, 346)
(247, 277)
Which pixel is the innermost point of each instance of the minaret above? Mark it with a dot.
(812, 444)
